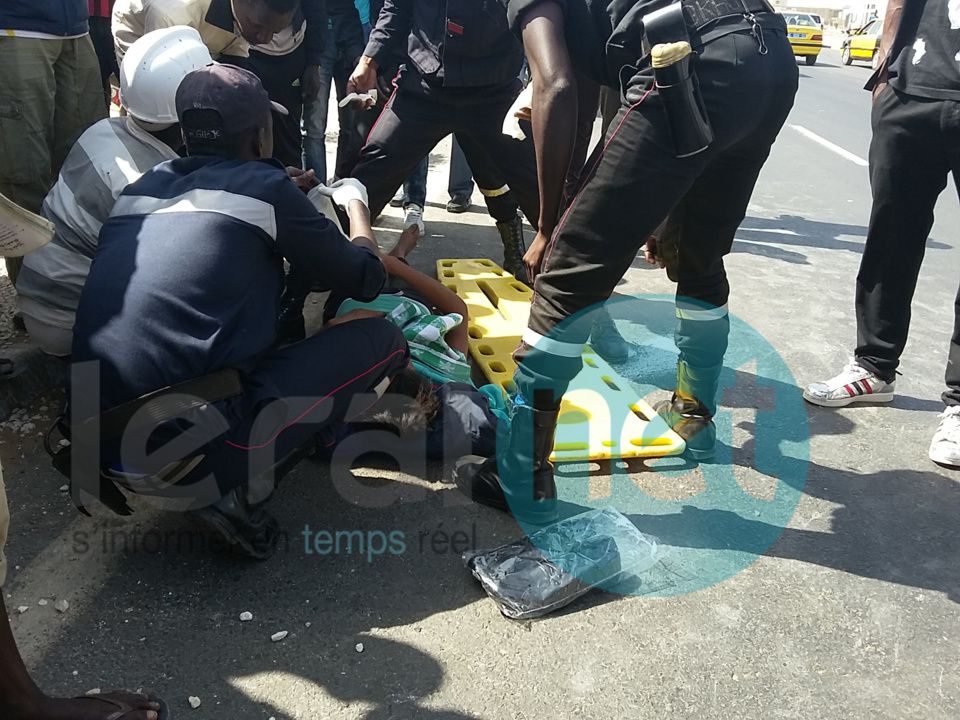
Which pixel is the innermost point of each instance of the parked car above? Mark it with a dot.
(863, 44)
(805, 35)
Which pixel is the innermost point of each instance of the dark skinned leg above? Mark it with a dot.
(21, 699)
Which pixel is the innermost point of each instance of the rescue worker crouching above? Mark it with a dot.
(184, 293)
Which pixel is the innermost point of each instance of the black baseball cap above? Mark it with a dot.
(221, 100)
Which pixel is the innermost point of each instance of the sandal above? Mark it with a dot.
(124, 708)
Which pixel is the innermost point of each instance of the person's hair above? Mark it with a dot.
(407, 417)
(280, 7)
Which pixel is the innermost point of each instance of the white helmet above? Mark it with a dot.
(153, 68)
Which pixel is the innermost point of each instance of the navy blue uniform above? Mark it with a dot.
(187, 281)
(460, 77)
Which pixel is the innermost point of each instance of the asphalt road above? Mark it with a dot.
(851, 613)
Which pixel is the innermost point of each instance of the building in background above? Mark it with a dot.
(843, 14)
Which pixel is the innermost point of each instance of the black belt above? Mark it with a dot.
(701, 13)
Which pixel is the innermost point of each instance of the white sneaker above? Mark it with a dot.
(945, 448)
(854, 384)
(413, 215)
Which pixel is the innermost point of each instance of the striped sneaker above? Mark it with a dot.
(945, 448)
(855, 384)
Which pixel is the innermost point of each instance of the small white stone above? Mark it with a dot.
(43, 408)
(359, 647)
(246, 616)
(22, 609)
(194, 701)
(61, 606)
(277, 637)
(64, 488)
(307, 624)
(76, 672)
(64, 442)
(27, 428)
(41, 602)
(95, 691)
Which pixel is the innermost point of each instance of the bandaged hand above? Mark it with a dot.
(345, 191)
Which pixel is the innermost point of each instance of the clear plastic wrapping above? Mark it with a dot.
(554, 566)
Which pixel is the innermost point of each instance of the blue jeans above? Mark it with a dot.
(461, 178)
(415, 186)
(315, 114)
(460, 182)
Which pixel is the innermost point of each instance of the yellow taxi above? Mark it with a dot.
(805, 34)
(863, 44)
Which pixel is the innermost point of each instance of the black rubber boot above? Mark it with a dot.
(248, 529)
(531, 498)
(291, 327)
(690, 411)
(606, 340)
(511, 234)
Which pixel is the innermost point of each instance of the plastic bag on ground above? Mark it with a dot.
(551, 568)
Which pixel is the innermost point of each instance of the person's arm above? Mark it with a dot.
(314, 244)
(436, 294)
(553, 115)
(388, 37)
(361, 231)
(891, 23)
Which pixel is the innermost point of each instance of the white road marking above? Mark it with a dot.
(846, 154)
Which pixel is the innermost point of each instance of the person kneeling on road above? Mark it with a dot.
(183, 295)
(108, 156)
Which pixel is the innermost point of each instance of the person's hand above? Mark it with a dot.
(385, 87)
(364, 76)
(345, 191)
(355, 314)
(524, 113)
(310, 84)
(651, 250)
(883, 76)
(533, 258)
(306, 180)
(361, 102)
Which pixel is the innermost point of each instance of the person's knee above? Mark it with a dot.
(387, 343)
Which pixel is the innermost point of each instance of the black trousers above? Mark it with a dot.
(915, 146)
(300, 394)
(418, 116)
(634, 180)
(102, 37)
(281, 76)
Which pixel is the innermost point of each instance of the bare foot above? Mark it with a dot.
(406, 242)
(113, 706)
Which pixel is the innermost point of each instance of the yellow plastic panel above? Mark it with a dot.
(499, 307)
